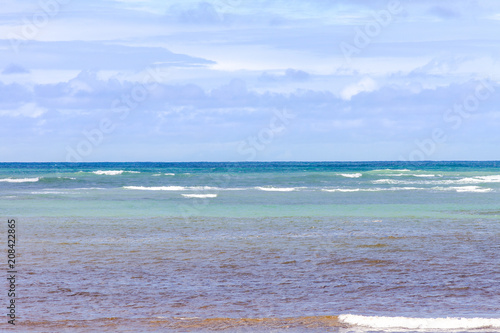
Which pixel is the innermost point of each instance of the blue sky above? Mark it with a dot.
(237, 80)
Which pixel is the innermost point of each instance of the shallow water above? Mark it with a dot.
(97, 254)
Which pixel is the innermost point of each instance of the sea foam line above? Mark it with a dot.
(481, 179)
(276, 189)
(461, 181)
(19, 180)
(170, 188)
(376, 189)
(112, 172)
(200, 196)
(351, 175)
(419, 323)
(473, 189)
(156, 188)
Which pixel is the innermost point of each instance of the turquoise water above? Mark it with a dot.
(203, 246)
(443, 190)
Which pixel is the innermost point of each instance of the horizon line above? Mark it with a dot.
(265, 161)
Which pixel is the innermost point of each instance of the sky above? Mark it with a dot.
(249, 80)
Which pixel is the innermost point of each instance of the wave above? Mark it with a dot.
(55, 179)
(390, 170)
(48, 192)
(461, 181)
(375, 189)
(480, 179)
(419, 323)
(351, 175)
(156, 188)
(170, 188)
(200, 196)
(475, 189)
(276, 189)
(342, 189)
(112, 172)
(19, 180)
(392, 181)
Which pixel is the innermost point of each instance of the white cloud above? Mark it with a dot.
(214, 92)
(31, 110)
(366, 84)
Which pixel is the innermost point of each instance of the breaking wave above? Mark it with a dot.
(112, 172)
(419, 323)
(19, 180)
(276, 189)
(200, 196)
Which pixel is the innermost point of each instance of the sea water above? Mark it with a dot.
(251, 247)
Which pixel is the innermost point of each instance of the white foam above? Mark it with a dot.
(171, 188)
(109, 172)
(203, 188)
(419, 323)
(170, 174)
(391, 170)
(19, 180)
(475, 189)
(112, 172)
(342, 190)
(406, 188)
(351, 175)
(424, 175)
(276, 189)
(462, 181)
(156, 188)
(200, 196)
(480, 179)
(375, 189)
(390, 181)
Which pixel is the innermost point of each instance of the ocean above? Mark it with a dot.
(253, 247)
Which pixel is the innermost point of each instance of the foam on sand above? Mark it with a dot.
(419, 323)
